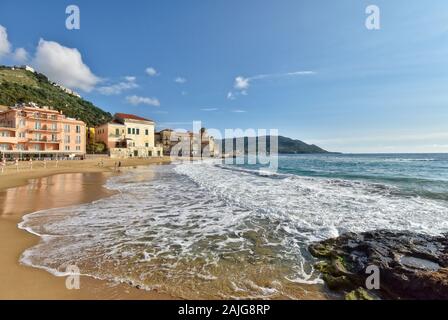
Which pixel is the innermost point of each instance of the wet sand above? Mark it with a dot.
(51, 188)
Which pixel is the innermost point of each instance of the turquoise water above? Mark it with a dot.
(423, 175)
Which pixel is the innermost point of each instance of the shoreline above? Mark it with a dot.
(28, 191)
(39, 189)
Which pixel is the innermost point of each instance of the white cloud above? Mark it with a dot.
(20, 55)
(230, 95)
(180, 80)
(5, 46)
(136, 100)
(119, 87)
(209, 109)
(130, 78)
(241, 84)
(64, 66)
(151, 72)
(239, 111)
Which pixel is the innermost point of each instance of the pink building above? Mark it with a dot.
(30, 131)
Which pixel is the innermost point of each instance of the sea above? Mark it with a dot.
(211, 230)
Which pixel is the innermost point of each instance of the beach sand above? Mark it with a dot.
(29, 190)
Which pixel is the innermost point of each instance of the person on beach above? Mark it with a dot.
(17, 164)
(31, 163)
(3, 165)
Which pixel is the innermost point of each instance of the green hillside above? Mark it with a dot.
(285, 145)
(21, 86)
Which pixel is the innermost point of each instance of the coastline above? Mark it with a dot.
(31, 190)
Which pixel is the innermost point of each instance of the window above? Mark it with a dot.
(147, 132)
(38, 137)
(4, 147)
(67, 148)
(67, 139)
(54, 137)
(4, 134)
(129, 130)
(117, 132)
(78, 148)
(37, 147)
(21, 147)
(138, 131)
(78, 129)
(54, 126)
(66, 127)
(133, 130)
(22, 134)
(37, 125)
(78, 139)
(22, 122)
(146, 144)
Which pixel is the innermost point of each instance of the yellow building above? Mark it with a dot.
(90, 135)
(129, 135)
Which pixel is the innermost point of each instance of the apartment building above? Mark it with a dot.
(29, 131)
(128, 135)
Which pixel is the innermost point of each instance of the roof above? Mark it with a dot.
(116, 122)
(131, 117)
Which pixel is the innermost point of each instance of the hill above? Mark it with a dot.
(285, 146)
(21, 86)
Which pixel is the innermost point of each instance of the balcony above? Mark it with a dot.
(4, 126)
(44, 129)
(45, 118)
(44, 140)
(8, 140)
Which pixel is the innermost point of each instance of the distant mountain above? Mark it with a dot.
(285, 146)
(22, 86)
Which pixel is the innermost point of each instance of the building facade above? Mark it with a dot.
(177, 143)
(128, 136)
(28, 131)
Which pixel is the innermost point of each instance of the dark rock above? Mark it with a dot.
(412, 266)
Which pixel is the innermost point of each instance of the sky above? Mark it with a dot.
(310, 69)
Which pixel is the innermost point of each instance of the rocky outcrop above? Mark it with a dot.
(411, 266)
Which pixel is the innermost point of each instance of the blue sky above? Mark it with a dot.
(310, 69)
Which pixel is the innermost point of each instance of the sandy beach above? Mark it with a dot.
(50, 186)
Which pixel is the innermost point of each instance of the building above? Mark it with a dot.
(24, 67)
(67, 90)
(178, 143)
(129, 135)
(28, 68)
(29, 131)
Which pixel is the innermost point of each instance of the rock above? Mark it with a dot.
(411, 265)
(360, 294)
